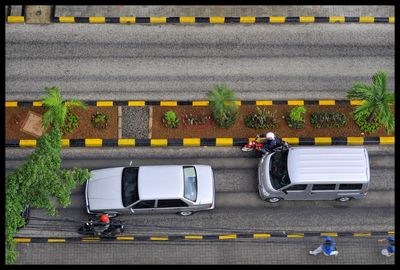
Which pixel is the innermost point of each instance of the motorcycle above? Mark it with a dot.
(90, 228)
(256, 145)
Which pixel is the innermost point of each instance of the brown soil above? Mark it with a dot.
(16, 115)
(239, 130)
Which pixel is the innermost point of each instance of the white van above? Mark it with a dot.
(314, 173)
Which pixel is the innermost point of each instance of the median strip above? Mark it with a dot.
(190, 142)
(110, 103)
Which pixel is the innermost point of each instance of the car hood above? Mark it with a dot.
(104, 189)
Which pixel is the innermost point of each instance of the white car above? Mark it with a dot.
(181, 189)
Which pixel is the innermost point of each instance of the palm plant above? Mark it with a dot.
(223, 106)
(376, 101)
(57, 108)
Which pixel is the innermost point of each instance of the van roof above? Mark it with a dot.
(326, 164)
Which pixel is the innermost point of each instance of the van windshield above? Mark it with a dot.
(278, 170)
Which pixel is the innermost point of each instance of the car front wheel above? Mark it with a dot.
(185, 213)
(273, 200)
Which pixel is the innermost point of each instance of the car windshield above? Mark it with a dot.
(278, 170)
(190, 189)
(130, 192)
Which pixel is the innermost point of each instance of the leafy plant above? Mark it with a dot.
(261, 119)
(71, 123)
(170, 120)
(364, 125)
(376, 101)
(224, 108)
(190, 119)
(100, 120)
(57, 108)
(296, 117)
(37, 183)
(328, 119)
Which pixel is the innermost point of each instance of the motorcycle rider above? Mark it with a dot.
(270, 142)
(102, 224)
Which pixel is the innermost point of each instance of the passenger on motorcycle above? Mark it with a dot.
(271, 142)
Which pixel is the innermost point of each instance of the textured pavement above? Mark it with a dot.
(220, 10)
(270, 251)
(139, 116)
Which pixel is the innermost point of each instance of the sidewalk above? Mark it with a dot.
(261, 251)
(226, 11)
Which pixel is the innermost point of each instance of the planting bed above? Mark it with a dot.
(239, 130)
(16, 115)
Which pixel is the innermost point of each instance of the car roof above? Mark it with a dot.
(160, 182)
(338, 164)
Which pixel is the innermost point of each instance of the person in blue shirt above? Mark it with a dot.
(389, 250)
(271, 142)
(328, 248)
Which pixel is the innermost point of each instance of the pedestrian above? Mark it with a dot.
(389, 250)
(328, 248)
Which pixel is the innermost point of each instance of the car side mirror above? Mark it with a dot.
(284, 191)
(133, 211)
(130, 163)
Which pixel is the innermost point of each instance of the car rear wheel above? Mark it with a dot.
(185, 213)
(343, 199)
(274, 200)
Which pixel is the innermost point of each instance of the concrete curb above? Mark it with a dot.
(189, 142)
(199, 237)
(213, 20)
(140, 103)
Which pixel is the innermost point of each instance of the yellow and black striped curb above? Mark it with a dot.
(212, 20)
(197, 237)
(131, 142)
(139, 103)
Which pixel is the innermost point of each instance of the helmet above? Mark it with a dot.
(270, 136)
(104, 218)
(391, 240)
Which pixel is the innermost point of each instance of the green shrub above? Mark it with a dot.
(41, 183)
(71, 123)
(362, 122)
(57, 108)
(328, 119)
(223, 106)
(377, 102)
(170, 120)
(296, 117)
(100, 120)
(190, 119)
(261, 119)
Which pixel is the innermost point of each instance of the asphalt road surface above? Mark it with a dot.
(238, 206)
(184, 62)
(238, 210)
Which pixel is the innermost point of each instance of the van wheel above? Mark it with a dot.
(185, 213)
(343, 199)
(273, 200)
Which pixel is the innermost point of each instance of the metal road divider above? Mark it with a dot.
(212, 20)
(206, 237)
